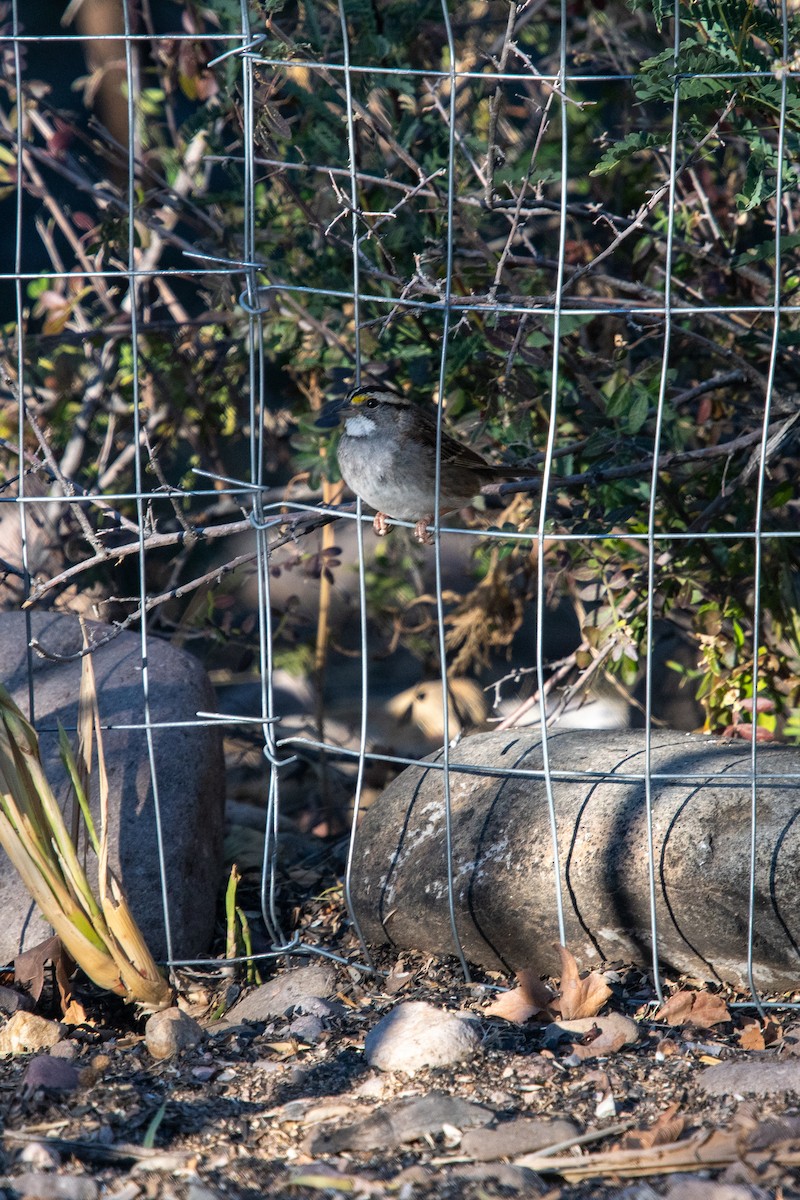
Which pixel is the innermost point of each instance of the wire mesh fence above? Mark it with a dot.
(573, 228)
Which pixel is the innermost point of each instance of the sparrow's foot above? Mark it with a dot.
(381, 524)
(421, 531)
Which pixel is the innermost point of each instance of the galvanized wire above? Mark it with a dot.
(279, 750)
(133, 91)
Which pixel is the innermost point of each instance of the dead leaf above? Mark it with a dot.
(288, 1048)
(397, 978)
(29, 969)
(666, 1128)
(594, 1037)
(702, 1009)
(751, 1037)
(529, 997)
(676, 1010)
(76, 1014)
(579, 997)
(667, 1047)
(709, 1010)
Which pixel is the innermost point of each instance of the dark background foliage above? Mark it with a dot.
(670, 192)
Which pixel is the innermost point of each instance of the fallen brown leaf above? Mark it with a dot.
(702, 1009)
(751, 1037)
(667, 1128)
(579, 997)
(530, 997)
(593, 1037)
(76, 1014)
(29, 968)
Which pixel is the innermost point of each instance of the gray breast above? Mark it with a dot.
(380, 474)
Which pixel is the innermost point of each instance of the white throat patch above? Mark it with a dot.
(359, 426)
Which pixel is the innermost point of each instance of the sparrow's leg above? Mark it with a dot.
(421, 531)
(381, 524)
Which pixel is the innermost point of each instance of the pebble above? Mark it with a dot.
(398, 1123)
(268, 1066)
(416, 1035)
(203, 1074)
(170, 1031)
(56, 1187)
(517, 1180)
(51, 1073)
(200, 1191)
(523, 1135)
(24, 1032)
(11, 1000)
(306, 1029)
(304, 988)
(694, 1188)
(40, 1156)
(64, 1049)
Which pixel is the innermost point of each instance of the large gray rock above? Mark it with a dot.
(189, 773)
(505, 899)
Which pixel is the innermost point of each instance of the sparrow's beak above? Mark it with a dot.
(331, 414)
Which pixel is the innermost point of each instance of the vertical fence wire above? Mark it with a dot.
(446, 306)
(352, 167)
(547, 470)
(20, 350)
(437, 492)
(133, 92)
(652, 511)
(759, 518)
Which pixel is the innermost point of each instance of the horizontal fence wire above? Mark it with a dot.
(265, 510)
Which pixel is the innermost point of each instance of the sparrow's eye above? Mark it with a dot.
(371, 404)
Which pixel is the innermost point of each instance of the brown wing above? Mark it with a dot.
(454, 454)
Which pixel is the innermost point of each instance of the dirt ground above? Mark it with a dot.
(236, 1115)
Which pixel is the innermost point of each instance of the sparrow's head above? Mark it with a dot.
(370, 409)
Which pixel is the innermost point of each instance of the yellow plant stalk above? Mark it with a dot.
(99, 934)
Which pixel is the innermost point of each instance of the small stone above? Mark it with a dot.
(398, 1123)
(199, 1191)
(268, 1066)
(371, 1088)
(417, 1035)
(203, 1074)
(524, 1135)
(40, 1156)
(751, 1078)
(56, 1187)
(170, 1031)
(306, 1029)
(51, 1073)
(24, 1032)
(515, 1179)
(64, 1049)
(128, 1191)
(11, 1000)
(694, 1188)
(297, 989)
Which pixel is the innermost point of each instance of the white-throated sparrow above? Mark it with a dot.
(387, 456)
